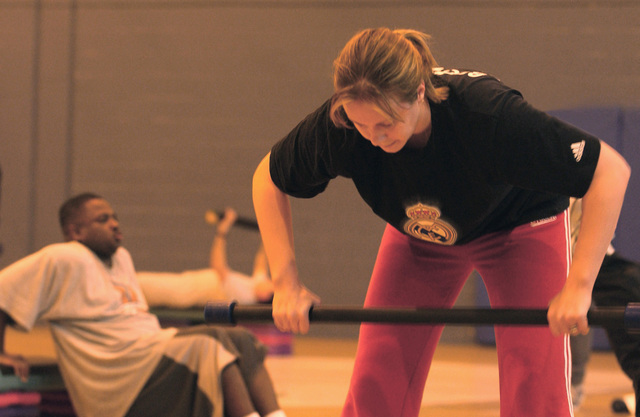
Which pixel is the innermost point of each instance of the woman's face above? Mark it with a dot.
(384, 132)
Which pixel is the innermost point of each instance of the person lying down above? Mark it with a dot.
(195, 288)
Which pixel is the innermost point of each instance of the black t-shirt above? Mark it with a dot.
(492, 162)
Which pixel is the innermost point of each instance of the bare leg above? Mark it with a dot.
(260, 264)
(218, 254)
(242, 399)
(237, 400)
(262, 392)
(263, 288)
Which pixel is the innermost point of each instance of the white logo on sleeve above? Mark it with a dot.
(577, 149)
(443, 71)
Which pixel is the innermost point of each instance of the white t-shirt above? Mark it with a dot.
(107, 342)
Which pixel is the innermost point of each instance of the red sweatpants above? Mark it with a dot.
(521, 268)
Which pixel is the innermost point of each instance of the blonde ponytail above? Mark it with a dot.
(383, 66)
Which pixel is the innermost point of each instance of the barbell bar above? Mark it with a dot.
(610, 317)
(213, 217)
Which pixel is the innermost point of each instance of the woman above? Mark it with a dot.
(468, 176)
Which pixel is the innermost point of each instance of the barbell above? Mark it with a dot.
(212, 217)
(627, 317)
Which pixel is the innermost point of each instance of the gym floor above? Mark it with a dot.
(463, 381)
(313, 381)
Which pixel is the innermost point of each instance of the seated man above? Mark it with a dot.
(194, 288)
(113, 355)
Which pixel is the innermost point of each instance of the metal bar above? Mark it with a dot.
(621, 316)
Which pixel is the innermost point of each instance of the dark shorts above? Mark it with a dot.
(173, 389)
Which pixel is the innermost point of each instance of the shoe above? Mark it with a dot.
(624, 405)
(577, 396)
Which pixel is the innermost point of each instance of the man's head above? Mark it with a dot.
(90, 220)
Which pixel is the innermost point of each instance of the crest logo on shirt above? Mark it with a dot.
(425, 224)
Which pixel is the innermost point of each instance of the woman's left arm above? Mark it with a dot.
(601, 207)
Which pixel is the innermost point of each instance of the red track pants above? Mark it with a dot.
(521, 268)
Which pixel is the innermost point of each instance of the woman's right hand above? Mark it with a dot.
(291, 305)
(291, 300)
(18, 363)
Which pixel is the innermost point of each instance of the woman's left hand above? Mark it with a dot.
(567, 312)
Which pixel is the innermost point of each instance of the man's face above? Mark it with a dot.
(98, 228)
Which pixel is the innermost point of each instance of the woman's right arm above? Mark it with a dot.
(291, 300)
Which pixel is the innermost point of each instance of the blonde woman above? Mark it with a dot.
(468, 175)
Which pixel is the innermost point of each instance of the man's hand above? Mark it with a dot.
(19, 364)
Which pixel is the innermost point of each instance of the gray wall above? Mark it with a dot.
(166, 107)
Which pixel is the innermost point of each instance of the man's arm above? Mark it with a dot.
(19, 363)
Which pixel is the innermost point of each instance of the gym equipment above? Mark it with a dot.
(212, 217)
(231, 313)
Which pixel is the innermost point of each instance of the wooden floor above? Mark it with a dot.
(463, 381)
(313, 381)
